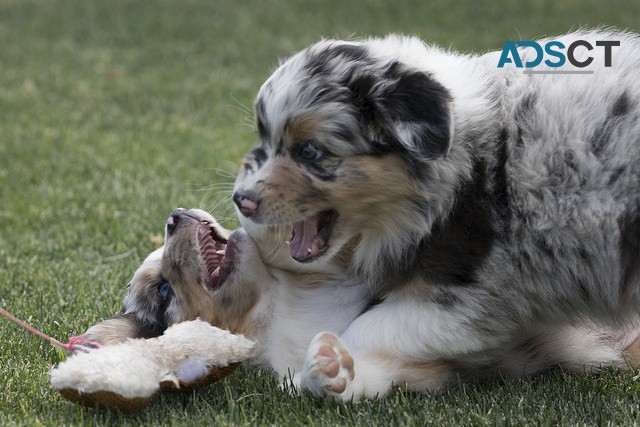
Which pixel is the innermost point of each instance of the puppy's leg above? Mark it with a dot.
(402, 341)
(330, 369)
(119, 329)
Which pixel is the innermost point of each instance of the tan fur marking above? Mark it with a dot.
(305, 127)
(421, 376)
(632, 353)
(416, 375)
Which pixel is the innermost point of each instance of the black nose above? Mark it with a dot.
(247, 202)
(174, 219)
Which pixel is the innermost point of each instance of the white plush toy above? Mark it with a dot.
(126, 376)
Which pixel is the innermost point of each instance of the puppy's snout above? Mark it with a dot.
(247, 202)
(174, 219)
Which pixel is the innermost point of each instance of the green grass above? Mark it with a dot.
(114, 112)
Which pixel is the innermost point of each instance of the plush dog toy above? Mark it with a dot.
(126, 376)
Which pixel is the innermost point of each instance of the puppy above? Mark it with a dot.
(476, 215)
(193, 275)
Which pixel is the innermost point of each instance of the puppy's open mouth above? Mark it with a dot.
(213, 249)
(310, 237)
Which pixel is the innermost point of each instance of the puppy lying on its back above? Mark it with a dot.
(184, 280)
(205, 271)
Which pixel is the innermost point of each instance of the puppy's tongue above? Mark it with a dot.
(305, 242)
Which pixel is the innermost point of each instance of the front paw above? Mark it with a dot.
(328, 366)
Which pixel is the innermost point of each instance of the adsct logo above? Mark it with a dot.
(555, 54)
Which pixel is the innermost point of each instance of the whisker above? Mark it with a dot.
(219, 187)
(221, 208)
(273, 253)
(240, 106)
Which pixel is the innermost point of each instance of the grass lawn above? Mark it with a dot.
(113, 112)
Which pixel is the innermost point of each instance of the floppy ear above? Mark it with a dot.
(409, 108)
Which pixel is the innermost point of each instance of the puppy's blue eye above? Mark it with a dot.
(308, 151)
(164, 290)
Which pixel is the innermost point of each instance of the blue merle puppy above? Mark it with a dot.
(472, 209)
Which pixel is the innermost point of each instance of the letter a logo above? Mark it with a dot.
(509, 48)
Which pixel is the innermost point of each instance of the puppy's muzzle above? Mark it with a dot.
(174, 219)
(247, 202)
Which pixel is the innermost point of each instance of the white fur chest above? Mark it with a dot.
(300, 313)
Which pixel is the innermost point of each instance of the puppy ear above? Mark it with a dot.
(410, 108)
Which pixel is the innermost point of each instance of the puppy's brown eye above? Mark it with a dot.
(308, 151)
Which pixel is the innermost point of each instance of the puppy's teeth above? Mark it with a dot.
(221, 252)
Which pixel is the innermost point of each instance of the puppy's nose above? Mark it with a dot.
(247, 202)
(174, 219)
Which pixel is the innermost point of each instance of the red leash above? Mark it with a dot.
(74, 344)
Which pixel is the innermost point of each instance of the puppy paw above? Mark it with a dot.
(328, 366)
